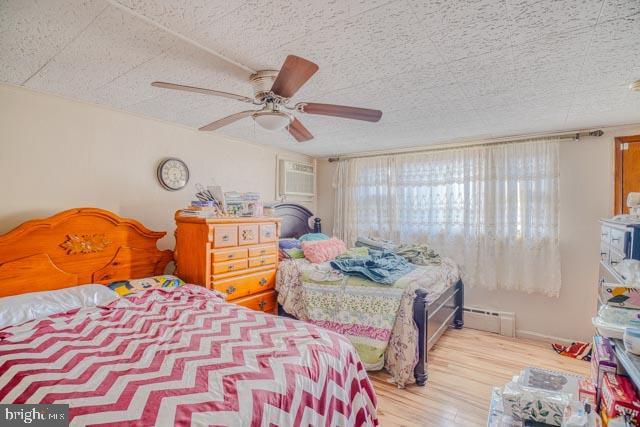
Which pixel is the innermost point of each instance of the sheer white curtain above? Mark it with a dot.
(492, 208)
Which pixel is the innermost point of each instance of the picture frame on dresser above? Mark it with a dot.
(235, 256)
(431, 320)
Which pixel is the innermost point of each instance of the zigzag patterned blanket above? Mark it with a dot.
(185, 358)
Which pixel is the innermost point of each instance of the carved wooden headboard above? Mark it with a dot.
(295, 220)
(78, 246)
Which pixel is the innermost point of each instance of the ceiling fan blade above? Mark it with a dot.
(340, 111)
(174, 86)
(227, 120)
(294, 73)
(298, 131)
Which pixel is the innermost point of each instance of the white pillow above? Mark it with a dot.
(15, 310)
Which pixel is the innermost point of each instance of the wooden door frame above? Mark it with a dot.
(618, 203)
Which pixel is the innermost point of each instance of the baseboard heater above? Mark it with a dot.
(498, 322)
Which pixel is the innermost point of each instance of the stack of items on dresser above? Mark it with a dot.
(202, 209)
(243, 204)
(543, 397)
(212, 204)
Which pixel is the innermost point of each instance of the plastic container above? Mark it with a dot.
(608, 330)
(631, 339)
(611, 321)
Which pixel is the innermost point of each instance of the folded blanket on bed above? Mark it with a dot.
(380, 266)
(375, 243)
(419, 254)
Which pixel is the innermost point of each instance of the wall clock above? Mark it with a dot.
(173, 174)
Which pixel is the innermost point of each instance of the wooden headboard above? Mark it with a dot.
(295, 220)
(78, 246)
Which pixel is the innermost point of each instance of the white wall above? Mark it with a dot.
(586, 195)
(57, 154)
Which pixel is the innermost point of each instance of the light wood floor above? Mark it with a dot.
(463, 368)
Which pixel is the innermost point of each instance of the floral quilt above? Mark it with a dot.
(376, 318)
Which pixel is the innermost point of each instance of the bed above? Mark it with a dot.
(183, 357)
(432, 315)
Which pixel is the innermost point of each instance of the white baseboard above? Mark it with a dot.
(504, 323)
(498, 322)
(535, 336)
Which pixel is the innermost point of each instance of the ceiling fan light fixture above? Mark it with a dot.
(635, 86)
(272, 120)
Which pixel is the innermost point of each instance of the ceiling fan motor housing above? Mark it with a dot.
(262, 81)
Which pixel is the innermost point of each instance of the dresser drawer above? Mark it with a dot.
(220, 255)
(262, 250)
(229, 266)
(246, 285)
(225, 236)
(266, 301)
(604, 252)
(248, 234)
(605, 234)
(606, 276)
(262, 260)
(267, 233)
(617, 239)
(615, 257)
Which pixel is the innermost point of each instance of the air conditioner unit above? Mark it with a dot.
(296, 178)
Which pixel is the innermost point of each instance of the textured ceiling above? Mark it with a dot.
(440, 70)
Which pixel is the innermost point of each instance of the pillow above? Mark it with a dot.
(18, 309)
(312, 237)
(128, 287)
(294, 253)
(289, 243)
(323, 250)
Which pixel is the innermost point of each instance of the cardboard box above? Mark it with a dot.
(603, 360)
(619, 398)
(587, 392)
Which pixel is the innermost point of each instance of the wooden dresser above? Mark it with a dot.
(235, 256)
(619, 240)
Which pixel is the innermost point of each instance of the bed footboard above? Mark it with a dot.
(433, 320)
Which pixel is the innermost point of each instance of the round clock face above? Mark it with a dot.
(173, 174)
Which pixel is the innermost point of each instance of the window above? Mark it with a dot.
(493, 209)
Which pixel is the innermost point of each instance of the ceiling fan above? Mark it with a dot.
(272, 91)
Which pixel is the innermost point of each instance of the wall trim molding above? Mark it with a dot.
(535, 336)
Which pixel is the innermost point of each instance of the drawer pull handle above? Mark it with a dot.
(230, 267)
(262, 282)
(225, 238)
(262, 304)
(230, 290)
(230, 256)
(267, 233)
(262, 261)
(615, 239)
(262, 252)
(614, 262)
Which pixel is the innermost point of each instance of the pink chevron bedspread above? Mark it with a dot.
(185, 358)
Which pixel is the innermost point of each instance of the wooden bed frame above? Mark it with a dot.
(78, 246)
(432, 319)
